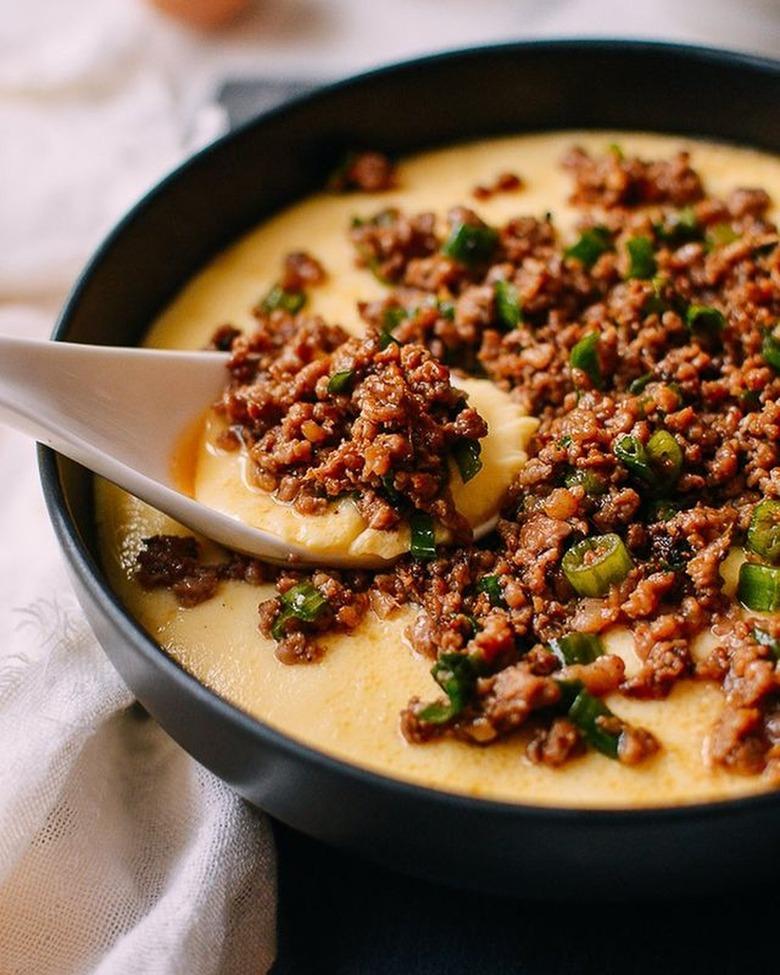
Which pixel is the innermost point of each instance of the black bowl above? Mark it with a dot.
(231, 185)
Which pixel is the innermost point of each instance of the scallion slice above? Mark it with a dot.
(638, 385)
(631, 452)
(446, 309)
(663, 509)
(594, 564)
(388, 483)
(680, 229)
(721, 234)
(641, 259)
(658, 464)
(589, 714)
(423, 538)
(577, 648)
(703, 320)
(341, 382)
(391, 319)
(666, 458)
(585, 356)
(508, 309)
(302, 602)
(491, 586)
(763, 536)
(278, 299)
(759, 587)
(466, 454)
(456, 674)
(770, 348)
(591, 245)
(592, 483)
(471, 244)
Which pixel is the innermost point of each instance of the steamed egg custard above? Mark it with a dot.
(578, 329)
(223, 481)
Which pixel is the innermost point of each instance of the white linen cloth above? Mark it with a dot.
(118, 853)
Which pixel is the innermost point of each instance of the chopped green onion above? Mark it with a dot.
(750, 400)
(721, 234)
(585, 356)
(659, 464)
(456, 674)
(395, 497)
(630, 451)
(279, 299)
(663, 509)
(302, 602)
(638, 385)
(592, 244)
(340, 382)
(616, 151)
(759, 587)
(491, 586)
(763, 536)
(446, 309)
(589, 714)
(704, 320)
(508, 308)
(767, 640)
(593, 483)
(391, 319)
(471, 245)
(472, 624)
(665, 456)
(466, 453)
(577, 648)
(682, 227)
(770, 348)
(594, 564)
(423, 538)
(641, 260)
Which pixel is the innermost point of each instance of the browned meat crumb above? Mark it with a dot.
(497, 605)
(223, 338)
(614, 180)
(601, 677)
(511, 696)
(503, 183)
(554, 746)
(301, 271)
(174, 562)
(635, 745)
(370, 172)
(737, 742)
(346, 603)
(385, 436)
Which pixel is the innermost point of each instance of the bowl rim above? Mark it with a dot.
(93, 579)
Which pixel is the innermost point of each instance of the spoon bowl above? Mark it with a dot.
(122, 412)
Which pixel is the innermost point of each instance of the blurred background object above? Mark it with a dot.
(203, 13)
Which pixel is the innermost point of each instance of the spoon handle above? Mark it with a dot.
(102, 405)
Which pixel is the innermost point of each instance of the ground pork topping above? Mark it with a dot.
(649, 348)
(323, 416)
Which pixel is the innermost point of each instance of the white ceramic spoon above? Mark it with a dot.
(121, 413)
